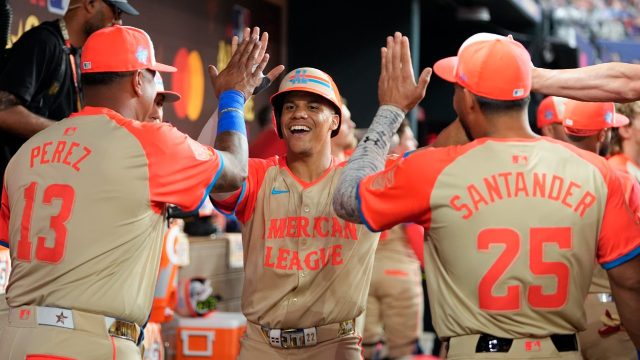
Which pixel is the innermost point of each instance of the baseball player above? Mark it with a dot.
(307, 272)
(548, 117)
(588, 126)
(393, 317)
(625, 149)
(513, 221)
(83, 210)
(342, 145)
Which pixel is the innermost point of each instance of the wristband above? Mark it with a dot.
(231, 113)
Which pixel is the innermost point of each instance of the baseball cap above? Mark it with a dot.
(310, 80)
(124, 6)
(169, 96)
(491, 66)
(587, 118)
(120, 48)
(550, 111)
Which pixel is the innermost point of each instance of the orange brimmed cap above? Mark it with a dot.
(587, 118)
(550, 111)
(489, 65)
(118, 49)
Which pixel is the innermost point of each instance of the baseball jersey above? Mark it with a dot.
(623, 163)
(396, 242)
(85, 210)
(513, 227)
(600, 283)
(304, 266)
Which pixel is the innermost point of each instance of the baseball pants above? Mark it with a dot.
(25, 339)
(464, 348)
(595, 346)
(254, 346)
(394, 306)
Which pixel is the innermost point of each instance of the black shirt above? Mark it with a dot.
(30, 71)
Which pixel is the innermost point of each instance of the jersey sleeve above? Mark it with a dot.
(243, 201)
(401, 192)
(617, 246)
(181, 170)
(4, 219)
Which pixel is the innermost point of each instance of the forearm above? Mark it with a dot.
(626, 291)
(17, 120)
(231, 142)
(618, 82)
(368, 158)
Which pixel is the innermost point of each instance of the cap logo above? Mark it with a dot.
(608, 117)
(548, 114)
(568, 122)
(142, 54)
(301, 77)
(86, 65)
(518, 92)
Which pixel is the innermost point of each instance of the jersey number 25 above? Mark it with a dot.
(66, 195)
(510, 239)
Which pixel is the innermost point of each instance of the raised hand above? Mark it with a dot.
(397, 85)
(244, 71)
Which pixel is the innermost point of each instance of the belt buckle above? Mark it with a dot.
(604, 297)
(123, 329)
(292, 338)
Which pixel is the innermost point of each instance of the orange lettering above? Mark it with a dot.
(292, 229)
(281, 261)
(336, 255)
(35, 152)
(267, 257)
(505, 178)
(336, 228)
(493, 188)
(69, 153)
(350, 231)
(588, 199)
(303, 224)
(317, 226)
(312, 261)
(43, 158)
(276, 228)
(557, 183)
(454, 204)
(568, 193)
(539, 185)
(295, 261)
(476, 196)
(521, 185)
(76, 165)
(57, 153)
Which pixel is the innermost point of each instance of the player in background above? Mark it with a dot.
(513, 221)
(395, 305)
(588, 126)
(85, 200)
(342, 145)
(625, 143)
(548, 117)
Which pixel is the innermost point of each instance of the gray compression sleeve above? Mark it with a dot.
(369, 157)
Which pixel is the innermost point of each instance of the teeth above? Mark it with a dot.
(299, 127)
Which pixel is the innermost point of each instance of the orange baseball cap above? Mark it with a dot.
(491, 66)
(120, 48)
(169, 96)
(587, 118)
(550, 111)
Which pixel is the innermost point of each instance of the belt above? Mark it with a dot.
(63, 318)
(490, 343)
(299, 338)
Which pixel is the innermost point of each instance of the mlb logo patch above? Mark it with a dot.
(608, 117)
(568, 122)
(532, 346)
(518, 92)
(548, 114)
(86, 65)
(142, 54)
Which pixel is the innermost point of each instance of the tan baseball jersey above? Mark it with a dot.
(84, 210)
(512, 226)
(304, 266)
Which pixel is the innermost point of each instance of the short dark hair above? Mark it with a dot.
(496, 106)
(576, 138)
(104, 78)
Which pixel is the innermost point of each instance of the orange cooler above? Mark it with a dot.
(216, 336)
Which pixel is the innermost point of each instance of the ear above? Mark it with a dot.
(90, 6)
(335, 121)
(602, 135)
(625, 132)
(137, 81)
(469, 100)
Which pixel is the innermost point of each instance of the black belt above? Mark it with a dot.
(490, 343)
